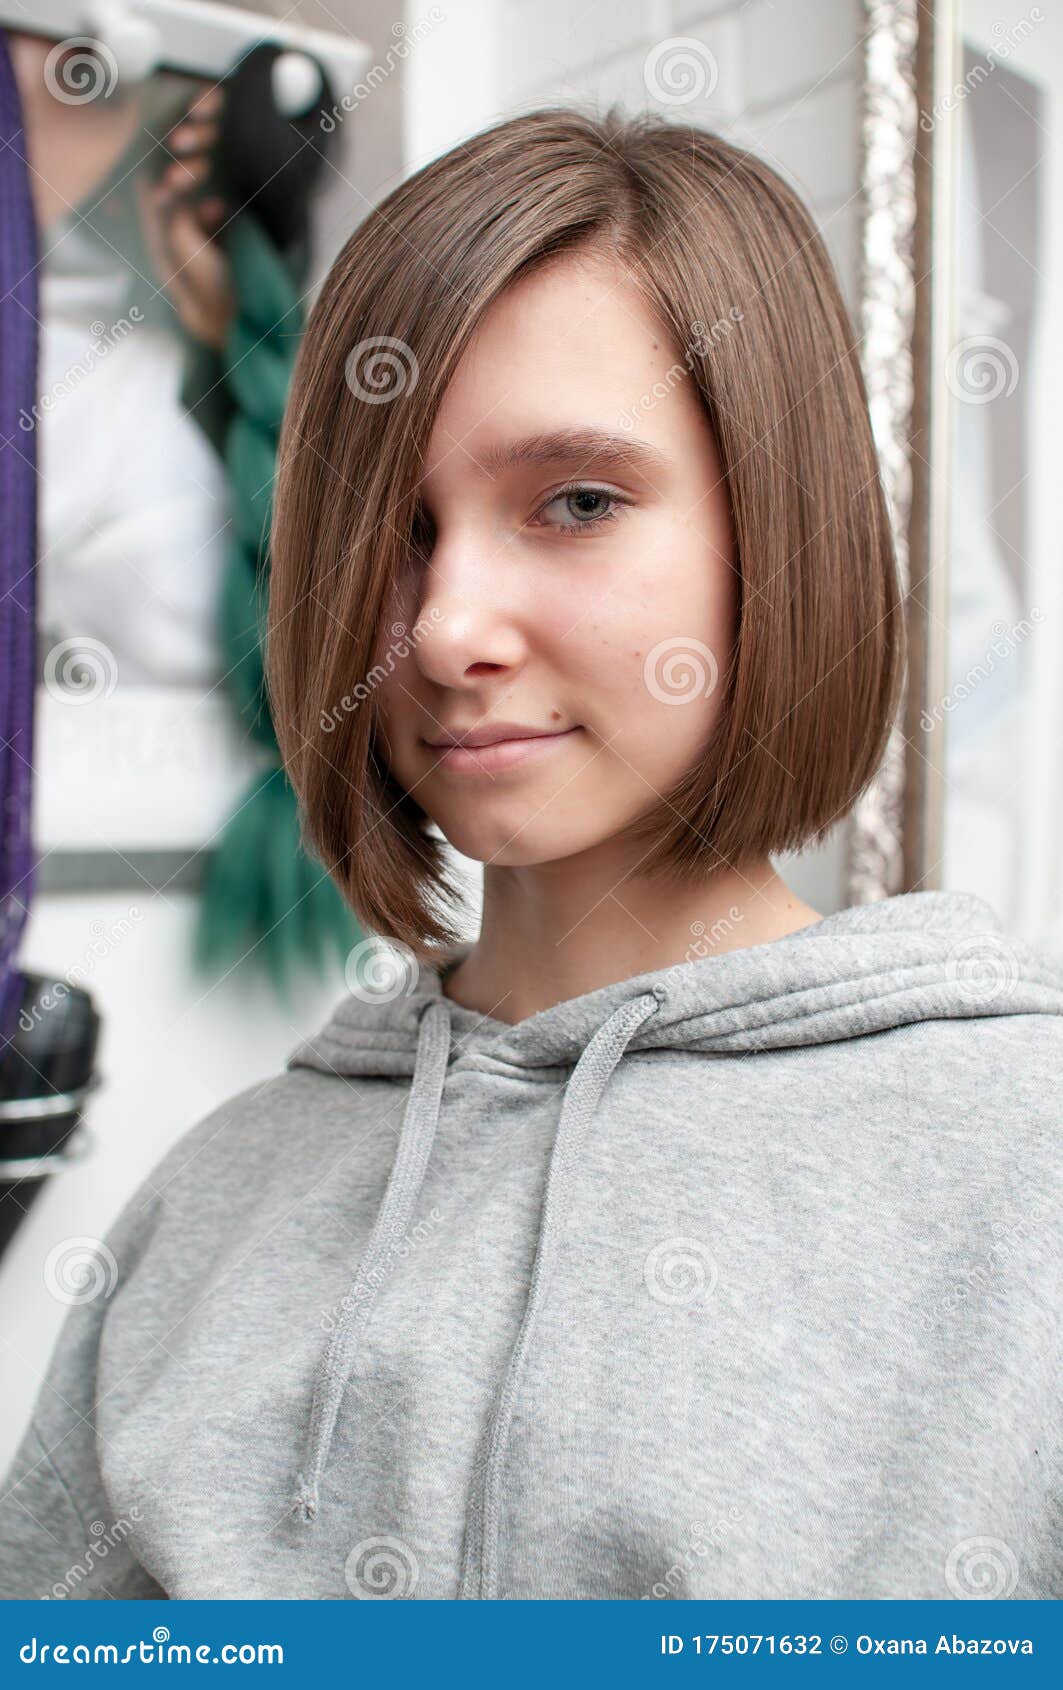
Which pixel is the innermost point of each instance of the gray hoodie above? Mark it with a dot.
(740, 1278)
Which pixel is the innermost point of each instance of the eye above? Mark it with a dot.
(579, 502)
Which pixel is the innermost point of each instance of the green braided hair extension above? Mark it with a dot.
(265, 901)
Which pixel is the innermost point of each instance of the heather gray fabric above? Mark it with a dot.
(739, 1278)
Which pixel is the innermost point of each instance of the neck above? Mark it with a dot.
(553, 931)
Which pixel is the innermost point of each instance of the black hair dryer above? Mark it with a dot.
(46, 1072)
(272, 145)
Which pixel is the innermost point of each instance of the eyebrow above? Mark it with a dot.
(565, 445)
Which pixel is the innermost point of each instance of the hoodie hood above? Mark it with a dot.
(919, 956)
(916, 957)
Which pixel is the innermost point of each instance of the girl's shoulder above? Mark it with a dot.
(265, 1148)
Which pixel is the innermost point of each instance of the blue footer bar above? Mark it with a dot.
(546, 1644)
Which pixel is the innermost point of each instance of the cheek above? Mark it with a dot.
(685, 654)
(660, 669)
(664, 739)
(657, 698)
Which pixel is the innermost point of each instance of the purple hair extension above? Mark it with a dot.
(19, 258)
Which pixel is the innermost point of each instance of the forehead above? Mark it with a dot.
(575, 347)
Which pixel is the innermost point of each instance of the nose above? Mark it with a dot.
(471, 615)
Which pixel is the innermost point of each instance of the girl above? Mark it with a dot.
(672, 1239)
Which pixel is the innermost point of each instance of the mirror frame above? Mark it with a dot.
(907, 176)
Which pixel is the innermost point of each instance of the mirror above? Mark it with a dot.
(134, 503)
(992, 702)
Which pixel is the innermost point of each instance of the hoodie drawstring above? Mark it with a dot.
(400, 1199)
(583, 1093)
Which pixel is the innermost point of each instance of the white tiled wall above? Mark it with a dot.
(785, 80)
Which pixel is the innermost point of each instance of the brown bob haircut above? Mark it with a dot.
(816, 671)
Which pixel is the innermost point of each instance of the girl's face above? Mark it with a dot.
(577, 578)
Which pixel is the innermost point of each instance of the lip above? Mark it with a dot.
(488, 735)
(500, 754)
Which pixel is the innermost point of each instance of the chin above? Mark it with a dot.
(511, 845)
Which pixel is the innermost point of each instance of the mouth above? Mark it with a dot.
(500, 754)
